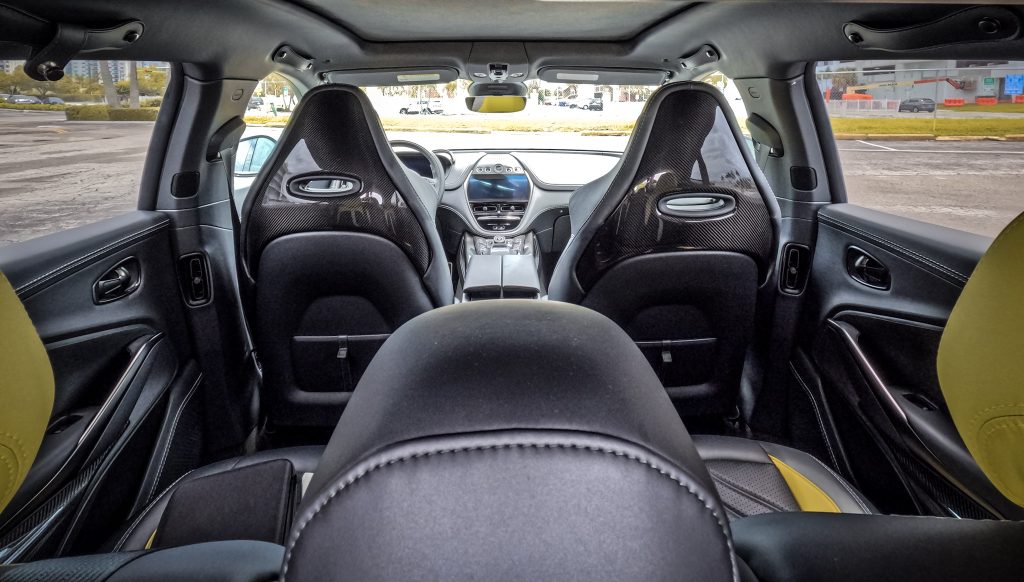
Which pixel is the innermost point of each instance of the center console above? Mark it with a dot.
(497, 265)
(500, 267)
(498, 191)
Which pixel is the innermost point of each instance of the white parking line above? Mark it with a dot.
(867, 143)
(984, 152)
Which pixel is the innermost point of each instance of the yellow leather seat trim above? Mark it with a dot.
(26, 392)
(981, 362)
(808, 496)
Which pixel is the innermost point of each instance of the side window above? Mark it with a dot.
(268, 111)
(252, 154)
(735, 101)
(74, 149)
(937, 141)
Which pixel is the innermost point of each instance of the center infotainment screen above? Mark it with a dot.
(514, 188)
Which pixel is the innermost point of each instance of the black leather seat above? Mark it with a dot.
(754, 477)
(673, 244)
(539, 446)
(340, 247)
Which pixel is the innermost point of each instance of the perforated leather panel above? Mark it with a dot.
(751, 488)
(691, 149)
(329, 135)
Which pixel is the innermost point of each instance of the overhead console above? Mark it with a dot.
(498, 191)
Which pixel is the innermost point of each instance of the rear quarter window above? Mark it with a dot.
(73, 150)
(937, 141)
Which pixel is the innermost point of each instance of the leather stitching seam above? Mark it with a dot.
(719, 478)
(897, 248)
(89, 256)
(174, 428)
(338, 487)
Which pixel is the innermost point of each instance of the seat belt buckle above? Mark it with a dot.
(346, 369)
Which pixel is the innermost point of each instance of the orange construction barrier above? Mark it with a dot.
(954, 102)
(857, 97)
(1018, 98)
(986, 100)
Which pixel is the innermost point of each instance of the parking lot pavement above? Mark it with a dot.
(55, 175)
(972, 186)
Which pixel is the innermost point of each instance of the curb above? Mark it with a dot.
(924, 137)
(901, 136)
(608, 133)
(970, 138)
(436, 130)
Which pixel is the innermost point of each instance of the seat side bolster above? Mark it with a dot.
(843, 495)
(835, 488)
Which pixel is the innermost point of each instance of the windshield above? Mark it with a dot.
(557, 116)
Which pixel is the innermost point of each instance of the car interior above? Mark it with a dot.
(691, 359)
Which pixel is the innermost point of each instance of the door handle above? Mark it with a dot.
(120, 281)
(867, 270)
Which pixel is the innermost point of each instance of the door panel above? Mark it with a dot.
(881, 290)
(115, 356)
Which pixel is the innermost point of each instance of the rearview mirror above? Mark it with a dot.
(496, 103)
(496, 97)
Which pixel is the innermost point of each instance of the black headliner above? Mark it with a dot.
(432, 20)
(235, 38)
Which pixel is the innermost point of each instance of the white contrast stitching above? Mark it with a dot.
(174, 427)
(898, 248)
(338, 487)
(817, 413)
(90, 255)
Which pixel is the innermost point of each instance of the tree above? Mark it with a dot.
(133, 85)
(152, 81)
(841, 80)
(109, 91)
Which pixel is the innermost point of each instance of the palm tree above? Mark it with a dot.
(109, 91)
(133, 85)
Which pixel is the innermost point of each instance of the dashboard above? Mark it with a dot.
(506, 192)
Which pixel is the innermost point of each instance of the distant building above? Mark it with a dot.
(932, 79)
(8, 66)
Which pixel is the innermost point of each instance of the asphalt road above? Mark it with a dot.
(55, 174)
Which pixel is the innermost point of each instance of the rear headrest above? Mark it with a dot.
(26, 390)
(980, 364)
(506, 439)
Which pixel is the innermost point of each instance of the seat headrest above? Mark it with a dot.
(505, 439)
(335, 139)
(980, 367)
(26, 390)
(686, 181)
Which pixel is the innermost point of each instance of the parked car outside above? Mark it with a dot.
(916, 105)
(53, 101)
(424, 106)
(255, 103)
(592, 104)
(24, 100)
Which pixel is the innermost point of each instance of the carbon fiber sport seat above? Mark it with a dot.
(674, 242)
(339, 243)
